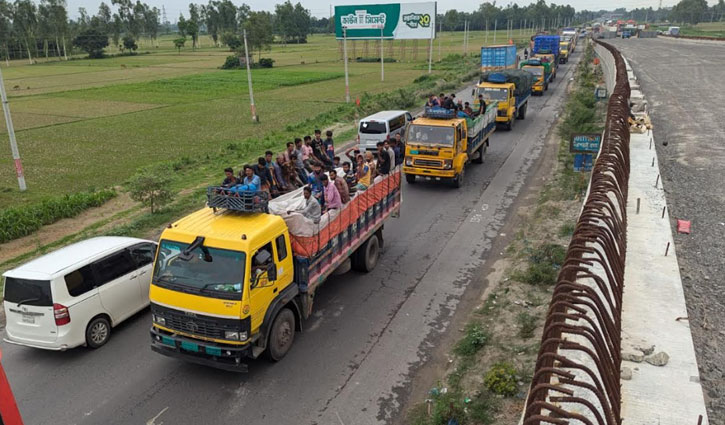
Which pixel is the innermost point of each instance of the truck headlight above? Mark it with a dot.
(158, 319)
(447, 164)
(408, 161)
(231, 335)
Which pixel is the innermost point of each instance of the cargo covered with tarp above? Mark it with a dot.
(536, 62)
(522, 80)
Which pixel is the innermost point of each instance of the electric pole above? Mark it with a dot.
(11, 134)
(255, 117)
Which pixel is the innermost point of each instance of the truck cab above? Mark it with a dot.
(503, 93)
(540, 82)
(217, 278)
(564, 51)
(549, 58)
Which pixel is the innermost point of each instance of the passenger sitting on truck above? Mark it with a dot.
(388, 148)
(249, 183)
(364, 173)
(349, 177)
(282, 183)
(332, 196)
(318, 150)
(449, 103)
(352, 156)
(432, 101)
(307, 153)
(312, 209)
(341, 186)
(467, 109)
(265, 177)
(315, 181)
(229, 180)
(299, 169)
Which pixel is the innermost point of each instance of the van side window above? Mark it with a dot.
(143, 254)
(80, 281)
(397, 122)
(113, 267)
(281, 248)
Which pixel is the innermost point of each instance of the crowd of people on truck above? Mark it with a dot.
(462, 109)
(311, 163)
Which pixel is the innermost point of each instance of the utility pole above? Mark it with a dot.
(440, 35)
(11, 134)
(255, 117)
(486, 42)
(495, 27)
(430, 49)
(382, 61)
(344, 50)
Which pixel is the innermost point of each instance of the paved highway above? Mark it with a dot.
(369, 333)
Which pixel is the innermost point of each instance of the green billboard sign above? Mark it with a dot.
(390, 21)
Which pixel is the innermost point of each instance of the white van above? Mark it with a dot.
(380, 127)
(75, 295)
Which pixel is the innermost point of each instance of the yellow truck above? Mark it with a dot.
(564, 50)
(442, 142)
(511, 89)
(237, 278)
(542, 74)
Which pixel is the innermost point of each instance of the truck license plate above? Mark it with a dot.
(189, 346)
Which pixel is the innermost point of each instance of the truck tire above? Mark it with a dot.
(367, 255)
(458, 180)
(410, 178)
(510, 124)
(478, 159)
(546, 87)
(522, 111)
(282, 335)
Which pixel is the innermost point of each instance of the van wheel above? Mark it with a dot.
(410, 178)
(282, 335)
(367, 255)
(98, 332)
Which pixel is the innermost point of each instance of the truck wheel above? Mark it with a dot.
(458, 180)
(282, 335)
(510, 124)
(367, 255)
(522, 111)
(546, 87)
(410, 178)
(478, 159)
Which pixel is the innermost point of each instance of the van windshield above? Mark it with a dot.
(430, 135)
(373, 127)
(209, 271)
(28, 292)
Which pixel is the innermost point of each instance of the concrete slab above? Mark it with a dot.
(654, 310)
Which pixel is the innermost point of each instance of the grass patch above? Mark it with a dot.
(544, 264)
(567, 229)
(501, 379)
(475, 338)
(16, 222)
(527, 324)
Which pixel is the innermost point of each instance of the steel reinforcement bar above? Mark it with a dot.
(576, 379)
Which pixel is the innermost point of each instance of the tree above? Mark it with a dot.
(689, 11)
(231, 40)
(150, 189)
(26, 22)
(151, 22)
(179, 43)
(259, 30)
(192, 28)
(92, 41)
(129, 43)
(181, 25)
(6, 28)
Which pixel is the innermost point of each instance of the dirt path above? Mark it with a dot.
(67, 226)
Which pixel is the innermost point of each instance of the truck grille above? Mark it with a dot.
(427, 163)
(205, 326)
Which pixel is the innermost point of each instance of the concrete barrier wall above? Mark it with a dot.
(607, 61)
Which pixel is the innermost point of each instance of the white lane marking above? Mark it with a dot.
(152, 421)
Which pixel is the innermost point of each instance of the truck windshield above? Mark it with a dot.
(494, 93)
(430, 135)
(208, 271)
(372, 127)
(537, 71)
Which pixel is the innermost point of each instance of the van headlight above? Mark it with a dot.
(158, 319)
(409, 161)
(235, 335)
(447, 164)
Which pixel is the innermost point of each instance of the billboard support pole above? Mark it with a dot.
(440, 34)
(382, 61)
(495, 28)
(430, 49)
(486, 42)
(344, 53)
(255, 117)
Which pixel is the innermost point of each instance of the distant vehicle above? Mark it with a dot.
(75, 295)
(673, 31)
(381, 126)
(511, 89)
(626, 34)
(496, 58)
(542, 72)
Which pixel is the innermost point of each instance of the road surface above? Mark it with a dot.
(368, 335)
(683, 81)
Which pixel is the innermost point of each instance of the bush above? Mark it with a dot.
(527, 325)
(476, 338)
(501, 379)
(16, 222)
(151, 189)
(266, 62)
(373, 60)
(232, 62)
(544, 264)
(129, 43)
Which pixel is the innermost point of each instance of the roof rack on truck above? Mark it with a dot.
(249, 201)
(439, 113)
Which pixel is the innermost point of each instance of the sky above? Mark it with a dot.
(321, 8)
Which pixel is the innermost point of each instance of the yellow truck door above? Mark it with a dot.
(262, 290)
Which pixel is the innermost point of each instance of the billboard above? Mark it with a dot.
(399, 21)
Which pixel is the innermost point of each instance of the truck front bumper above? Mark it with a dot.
(504, 119)
(220, 356)
(427, 172)
(538, 89)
